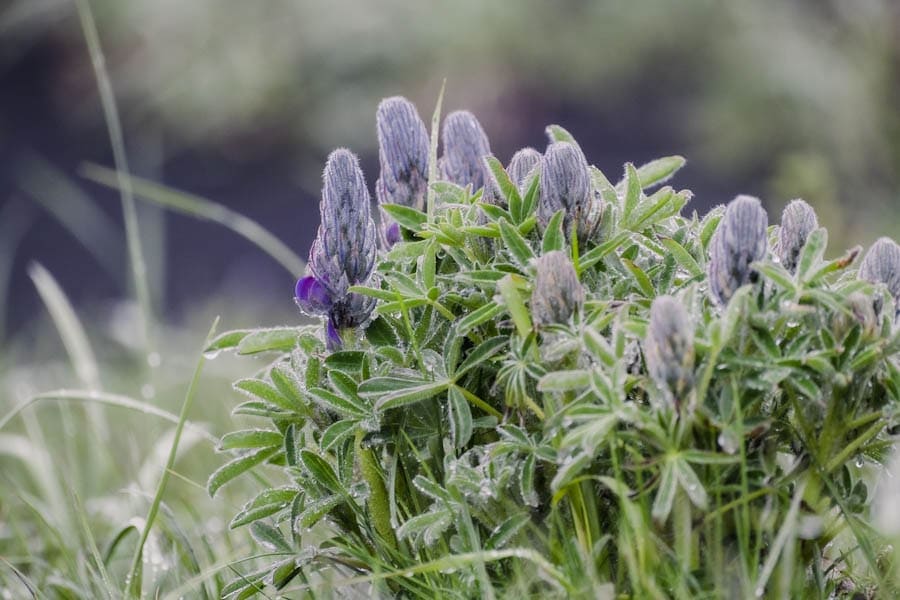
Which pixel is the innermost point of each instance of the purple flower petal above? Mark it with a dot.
(332, 337)
(392, 234)
(312, 296)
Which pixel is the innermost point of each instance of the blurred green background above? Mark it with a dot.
(240, 102)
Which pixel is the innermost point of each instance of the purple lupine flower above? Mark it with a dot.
(739, 240)
(343, 253)
(403, 156)
(557, 293)
(797, 222)
(522, 166)
(465, 145)
(566, 185)
(669, 348)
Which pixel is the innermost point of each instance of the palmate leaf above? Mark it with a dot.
(239, 466)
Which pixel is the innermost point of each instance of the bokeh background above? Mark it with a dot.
(240, 102)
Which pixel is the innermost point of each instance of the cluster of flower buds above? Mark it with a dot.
(403, 155)
(669, 348)
(522, 167)
(557, 293)
(343, 253)
(881, 264)
(566, 185)
(739, 240)
(797, 222)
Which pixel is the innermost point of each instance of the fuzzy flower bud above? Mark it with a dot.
(343, 253)
(465, 145)
(739, 240)
(557, 292)
(522, 165)
(882, 265)
(797, 222)
(565, 185)
(669, 348)
(402, 153)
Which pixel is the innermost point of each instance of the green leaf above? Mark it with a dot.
(269, 537)
(340, 405)
(250, 438)
(278, 339)
(643, 281)
(407, 216)
(460, 418)
(265, 391)
(289, 387)
(507, 188)
(265, 504)
(709, 458)
(554, 239)
(659, 170)
(337, 433)
(665, 494)
(558, 134)
(517, 245)
(595, 255)
(570, 469)
(777, 274)
(632, 189)
(526, 481)
(506, 531)
(811, 255)
(237, 466)
(411, 395)
(607, 190)
(322, 472)
(530, 199)
(227, 340)
(835, 265)
(691, 484)
(564, 381)
(348, 361)
(380, 333)
(682, 256)
(477, 317)
(481, 353)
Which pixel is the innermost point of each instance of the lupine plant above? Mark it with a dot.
(540, 382)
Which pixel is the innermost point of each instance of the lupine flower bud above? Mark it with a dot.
(739, 240)
(882, 265)
(465, 145)
(402, 153)
(343, 253)
(557, 293)
(565, 184)
(797, 222)
(522, 165)
(669, 348)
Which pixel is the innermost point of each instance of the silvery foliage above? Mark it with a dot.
(557, 293)
(669, 348)
(566, 185)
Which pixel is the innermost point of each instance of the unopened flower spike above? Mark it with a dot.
(797, 222)
(522, 167)
(739, 240)
(465, 146)
(881, 264)
(565, 185)
(343, 253)
(403, 156)
(669, 348)
(557, 293)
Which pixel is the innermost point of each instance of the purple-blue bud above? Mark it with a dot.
(557, 293)
(739, 240)
(402, 153)
(669, 348)
(522, 166)
(565, 185)
(465, 145)
(882, 265)
(312, 296)
(797, 222)
(343, 253)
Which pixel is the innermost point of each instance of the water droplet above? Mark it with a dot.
(760, 591)
(148, 391)
(211, 354)
(859, 462)
(154, 360)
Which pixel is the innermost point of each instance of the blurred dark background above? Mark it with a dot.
(240, 102)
